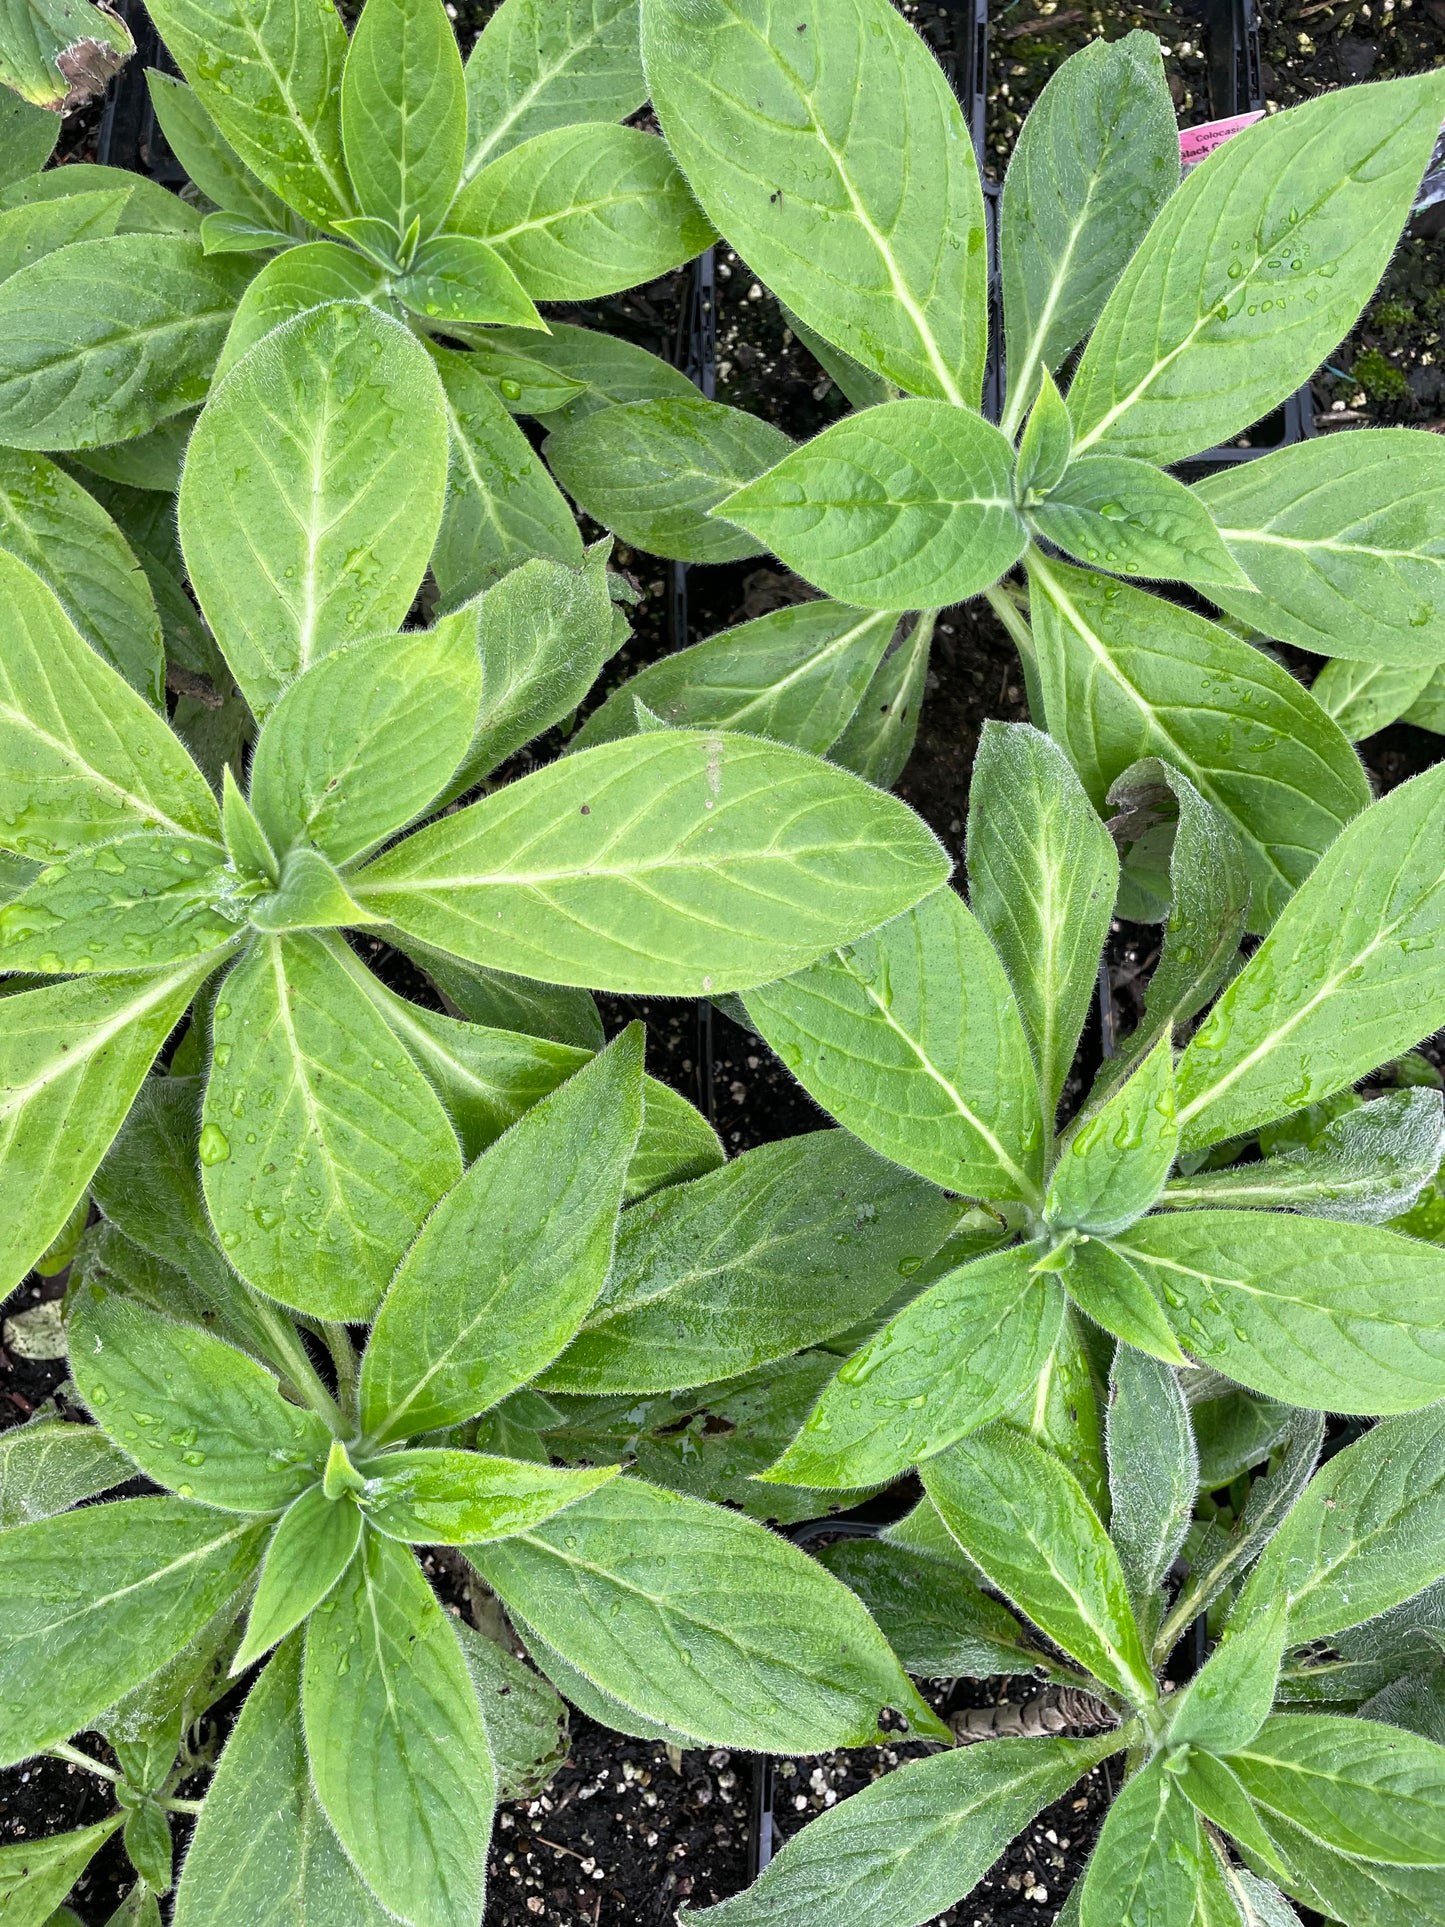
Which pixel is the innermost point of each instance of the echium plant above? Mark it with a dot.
(825, 144)
(1344, 1812)
(944, 1040)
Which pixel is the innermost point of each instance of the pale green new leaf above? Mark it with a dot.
(1095, 161)
(1367, 1165)
(1042, 874)
(361, 743)
(652, 472)
(404, 113)
(1047, 441)
(1366, 696)
(105, 338)
(1123, 674)
(502, 506)
(1341, 537)
(1346, 980)
(677, 863)
(72, 1057)
(301, 278)
(459, 278)
(51, 524)
(953, 1360)
(540, 64)
(788, 122)
(436, 1497)
(313, 1544)
(324, 1147)
(1373, 1791)
(395, 1740)
(313, 491)
(1228, 1700)
(789, 1244)
(796, 675)
(460, 1329)
(209, 158)
(49, 1465)
(1108, 1289)
(1254, 270)
(1114, 1162)
(1145, 1868)
(1129, 517)
(701, 1619)
(36, 1875)
(907, 505)
(912, 1039)
(1153, 1472)
(914, 1842)
(1332, 1317)
(584, 211)
(95, 1602)
(270, 77)
(263, 1844)
(1022, 1517)
(1367, 1534)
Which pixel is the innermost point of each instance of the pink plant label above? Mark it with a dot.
(1197, 142)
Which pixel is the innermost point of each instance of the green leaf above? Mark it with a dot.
(85, 758)
(504, 1002)
(1219, 316)
(361, 742)
(1367, 1166)
(1214, 1790)
(1235, 1431)
(222, 1431)
(1228, 1700)
(1023, 1519)
(58, 56)
(1337, 537)
(395, 1739)
(149, 1849)
(150, 463)
(323, 453)
(1366, 1534)
(911, 1038)
(51, 524)
(93, 1602)
(1107, 1288)
(1047, 442)
(448, 1498)
(347, 1160)
(791, 1243)
(502, 506)
(457, 1333)
(1333, 1317)
(142, 902)
(525, 1720)
(36, 1875)
(310, 896)
(28, 135)
(1095, 161)
(914, 1842)
(857, 384)
(902, 506)
(540, 64)
(1428, 710)
(1131, 518)
(248, 849)
(209, 158)
(36, 229)
(651, 471)
(790, 139)
(1114, 1163)
(786, 855)
(1153, 1473)
(930, 1610)
(1206, 891)
(312, 1546)
(1121, 672)
(796, 675)
(584, 211)
(72, 1057)
(458, 277)
(699, 1618)
(271, 80)
(104, 339)
(49, 1465)
(951, 1361)
(265, 1835)
(1346, 979)
(1063, 1410)
(589, 369)
(241, 234)
(542, 633)
(301, 278)
(404, 113)
(1380, 1896)
(879, 740)
(1373, 1791)
(149, 208)
(1145, 1869)
(1042, 876)
(1363, 697)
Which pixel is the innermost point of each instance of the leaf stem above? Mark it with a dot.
(292, 1356)
(1001, 601)
(73, 1755)
(173, 1805)
(343, 1352)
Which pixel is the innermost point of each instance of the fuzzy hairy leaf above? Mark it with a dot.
(314, 1542)
(404, 113)
(1373, 1791)
(1153, 1471)
(540, 64)
(49, 1465)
